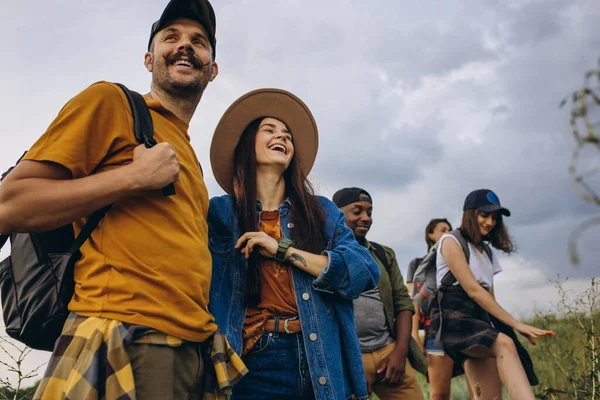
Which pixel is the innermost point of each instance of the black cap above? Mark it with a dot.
(197, 10)
(346, 196)
(484, 200)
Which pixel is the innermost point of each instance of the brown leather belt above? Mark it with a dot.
(288, 325)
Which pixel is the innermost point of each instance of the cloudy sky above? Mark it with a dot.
(417, 102)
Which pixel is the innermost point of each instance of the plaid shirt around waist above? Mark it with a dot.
(90, 361)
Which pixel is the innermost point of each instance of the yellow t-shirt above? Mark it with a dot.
(148, 261)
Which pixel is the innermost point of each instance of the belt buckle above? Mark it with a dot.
(285, 324)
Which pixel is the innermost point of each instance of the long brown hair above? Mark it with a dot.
(498, 236)
(431, 227)
(306, 213)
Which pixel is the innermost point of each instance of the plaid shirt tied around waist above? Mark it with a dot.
(90, 361)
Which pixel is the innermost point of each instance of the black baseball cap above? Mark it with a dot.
(346, 196)
(484, 200)
(197, 10)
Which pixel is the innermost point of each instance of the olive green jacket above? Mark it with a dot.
(395, 298)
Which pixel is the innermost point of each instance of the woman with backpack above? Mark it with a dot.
(441, 366)
(285, 265)
(470, 324)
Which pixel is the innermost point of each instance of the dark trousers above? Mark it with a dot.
(167, 373)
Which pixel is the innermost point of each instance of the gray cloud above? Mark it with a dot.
(536, 21)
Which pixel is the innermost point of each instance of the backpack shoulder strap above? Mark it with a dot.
(3, 239)
(87, 229)
(463, 242)
(143, 127)
(449, 279)
(457, 233)
(380, 253)
(488, 251)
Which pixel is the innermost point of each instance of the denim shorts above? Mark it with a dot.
(432, 349)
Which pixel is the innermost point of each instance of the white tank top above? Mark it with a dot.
(482, 267)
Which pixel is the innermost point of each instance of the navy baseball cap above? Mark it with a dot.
(484, 200)
(197, 10)
(345, 196)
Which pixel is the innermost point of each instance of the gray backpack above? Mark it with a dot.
(424, 280)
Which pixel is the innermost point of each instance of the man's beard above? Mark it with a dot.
(360, 237)
(184, 90)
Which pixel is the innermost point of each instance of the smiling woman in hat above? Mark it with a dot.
(285, 266)
(476, 330)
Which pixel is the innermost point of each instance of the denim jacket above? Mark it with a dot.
(324, 303)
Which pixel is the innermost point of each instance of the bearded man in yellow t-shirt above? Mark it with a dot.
(147, 264)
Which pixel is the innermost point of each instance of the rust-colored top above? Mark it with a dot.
(277, 296)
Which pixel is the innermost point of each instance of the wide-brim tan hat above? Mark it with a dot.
(262, 103)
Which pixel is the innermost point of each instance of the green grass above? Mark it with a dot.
(458, 389)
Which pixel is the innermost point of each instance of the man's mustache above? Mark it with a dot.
(191, 58)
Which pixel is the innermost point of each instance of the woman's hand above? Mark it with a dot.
(531, 332)
(266, 244)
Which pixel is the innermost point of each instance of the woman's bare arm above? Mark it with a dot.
(455, 258)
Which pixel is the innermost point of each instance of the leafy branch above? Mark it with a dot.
(583, 129)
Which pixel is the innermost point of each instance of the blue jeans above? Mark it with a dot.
(278, 369)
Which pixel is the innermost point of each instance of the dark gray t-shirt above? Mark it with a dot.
(412, 267)
(371, 325)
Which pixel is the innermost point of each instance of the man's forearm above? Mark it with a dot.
(40, 204)
(403, 330)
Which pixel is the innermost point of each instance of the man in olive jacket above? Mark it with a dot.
(383, 315)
